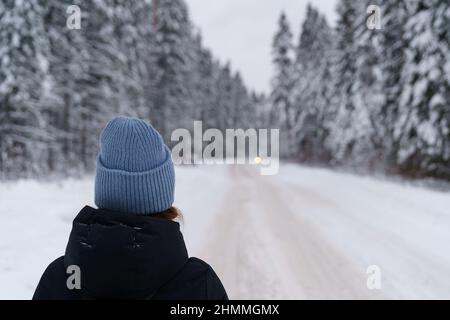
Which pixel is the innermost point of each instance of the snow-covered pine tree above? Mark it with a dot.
(102, 86)
(66, 64)
(241, 112)
(261, 108)
(96, 74)
(223, 104)
(282, 83)
(24, 88)
(143, 13)
(357, 92)
(173, 33)
(224, 97)
(329, 97)
(394, 44)
(368, 96)
(206, 77)
(202, 84)
(197, 87)
(423, 129)
(312, 90)
(341, 138)
(131, 27)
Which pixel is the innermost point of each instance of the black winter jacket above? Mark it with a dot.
(123, 256)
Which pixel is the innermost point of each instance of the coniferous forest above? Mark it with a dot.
(343, 95)
(59, 87)
(367, 100)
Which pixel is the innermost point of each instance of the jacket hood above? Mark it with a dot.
(123, 256)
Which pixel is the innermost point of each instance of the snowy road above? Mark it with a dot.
(312, 234)
(302, 234)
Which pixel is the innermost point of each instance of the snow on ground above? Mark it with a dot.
(402, 229)
(36, 218)
(199, 194)
(304, 233)
(311, 233)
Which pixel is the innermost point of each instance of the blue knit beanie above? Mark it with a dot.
(135, 172)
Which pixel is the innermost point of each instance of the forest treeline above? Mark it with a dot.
(367, 99)
(343, 95)
(59, 86)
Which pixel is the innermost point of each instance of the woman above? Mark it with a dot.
(130, 247)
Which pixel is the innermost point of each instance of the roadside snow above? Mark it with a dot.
(402, 229)
(35, 221)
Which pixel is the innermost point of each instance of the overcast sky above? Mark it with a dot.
(241, 31)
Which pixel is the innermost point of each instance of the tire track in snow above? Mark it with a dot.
(235, 251)
(263, 250)
(320, 269)
(375, 239)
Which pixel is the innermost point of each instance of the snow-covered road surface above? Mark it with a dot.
(311, 233)
(302, 234)
(267, 249)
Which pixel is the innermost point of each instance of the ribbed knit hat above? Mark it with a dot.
(135, 172)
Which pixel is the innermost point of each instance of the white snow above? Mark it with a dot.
(305, 233)
(404, 230)
(35, 221)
